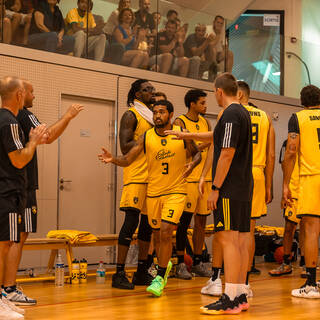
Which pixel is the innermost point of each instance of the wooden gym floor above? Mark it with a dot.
(181, 300)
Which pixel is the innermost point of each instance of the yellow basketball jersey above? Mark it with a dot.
(260, 129)
(137, 171)
(197, 126)
(294, 181)
(309, 153)
(166, 159)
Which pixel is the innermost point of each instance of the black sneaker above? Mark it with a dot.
(223, 306)
(120, 281)
(142, 278)
(254, 270)
(243, 302)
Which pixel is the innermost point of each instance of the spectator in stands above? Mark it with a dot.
(134, 40)
(47, 29)
(199, 48)
(156, 19)
(172, 15)
(169, 55)
(6, 34)
(77, 26)
(159, 96)
(143, 18)
(13, 12)
(219, 44)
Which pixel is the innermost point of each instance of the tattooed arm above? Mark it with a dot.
(128, 125)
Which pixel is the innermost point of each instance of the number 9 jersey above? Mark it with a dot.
(166, 160)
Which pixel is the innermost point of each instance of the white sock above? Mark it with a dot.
(242, 288)
(231, 290)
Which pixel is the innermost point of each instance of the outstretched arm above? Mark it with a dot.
(270, 161)
(207, 166)
(202, 136)
(57, 129)
(126, 159)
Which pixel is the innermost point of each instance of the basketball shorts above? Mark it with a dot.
(168, 208)
(29, 218)
(195, 203)
(290, 213)
(134, 197)
(11, 211)
(259, 206)
(232, 215)
(309, 193)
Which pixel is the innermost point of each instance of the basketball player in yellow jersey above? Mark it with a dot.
(134, 122)
(291, 222)
(193, 121)
(304, 140)
(166, 192)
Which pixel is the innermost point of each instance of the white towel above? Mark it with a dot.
(144, 111)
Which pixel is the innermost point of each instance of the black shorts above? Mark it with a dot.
(232, 215)
(29, 220)
(11, 211)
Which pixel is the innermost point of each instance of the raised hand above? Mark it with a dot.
(73, 110)
(39, 135)
(106, 156)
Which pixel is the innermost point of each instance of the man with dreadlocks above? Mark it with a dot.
(134, 123)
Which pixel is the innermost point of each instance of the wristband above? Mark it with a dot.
(213, 187)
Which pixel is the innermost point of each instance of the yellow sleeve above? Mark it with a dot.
(92, 23)
(72, 16)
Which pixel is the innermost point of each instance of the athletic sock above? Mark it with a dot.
(149, 261)
(216, 273)
(197, 259)
(247, 278)
(120, 267)
(142, 266)
(231, 290)
(241, 289)
(311, 277)
(180, 259)
(10, 289)
(286, 259)
(302, 261)
(161, 271)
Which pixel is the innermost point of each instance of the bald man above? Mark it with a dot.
(15, 153)
(28, 121)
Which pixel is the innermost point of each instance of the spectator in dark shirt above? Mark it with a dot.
(169, 52)
(172, 15)
(47, 29)
(199, 48)
(143, 18)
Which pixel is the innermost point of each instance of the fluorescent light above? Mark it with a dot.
(276, 73)
(267, 73)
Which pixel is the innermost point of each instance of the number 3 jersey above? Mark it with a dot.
(166, 160)
(260, 128)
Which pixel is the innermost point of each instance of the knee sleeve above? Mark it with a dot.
(128, 228)
(181, 236)
(145, 231)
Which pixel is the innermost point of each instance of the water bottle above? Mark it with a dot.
(101, 273)
(75, 271)
(59, 272)
(83, 270)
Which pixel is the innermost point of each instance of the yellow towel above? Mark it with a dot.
(74, 236)
(269, 230)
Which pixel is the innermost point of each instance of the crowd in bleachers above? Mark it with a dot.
(129, 38)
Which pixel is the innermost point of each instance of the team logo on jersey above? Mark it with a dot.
(154, 222)
(290, 213)
(34, 210)
(164, 142)
(189, 205)
(220, 224)
(135, 200)
(19, 219)
(197, 127)
(164, 154)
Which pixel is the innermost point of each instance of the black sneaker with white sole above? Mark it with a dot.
(120, 281)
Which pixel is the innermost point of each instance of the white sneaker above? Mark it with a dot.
(309, 292)
(212, 288)
(11, 305)
(19, 298)
(7, 314)
(249, 292)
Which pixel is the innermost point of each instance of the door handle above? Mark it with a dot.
(63, 181)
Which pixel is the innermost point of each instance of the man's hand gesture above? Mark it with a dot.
(106, 156)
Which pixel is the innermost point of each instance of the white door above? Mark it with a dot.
(86, 193)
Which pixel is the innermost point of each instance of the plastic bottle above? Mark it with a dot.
(101, 273)
(59, 272)
(75, 272)
(83, 270)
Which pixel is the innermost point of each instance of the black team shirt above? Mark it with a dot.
(12, 179)
(233, 130)
(28, 120)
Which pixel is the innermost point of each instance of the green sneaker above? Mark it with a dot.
(169, 267)
(156, 287)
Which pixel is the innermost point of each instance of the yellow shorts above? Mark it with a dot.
(168, 208)
(309, 193)
(290, 213)
(195, 203)
(259, 207)
(134, 197)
